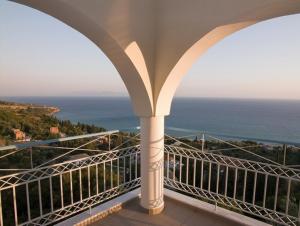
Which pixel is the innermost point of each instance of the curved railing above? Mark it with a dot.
(52, 189)
(266, 191)
(49, 192)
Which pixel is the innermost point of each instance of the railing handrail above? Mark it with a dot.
(195, 132)
(296, 171)
(44, 142)
(44, 168)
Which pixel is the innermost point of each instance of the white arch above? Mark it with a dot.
(152, 43)
(124, 61)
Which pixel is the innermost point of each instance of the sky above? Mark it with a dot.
(41, 56)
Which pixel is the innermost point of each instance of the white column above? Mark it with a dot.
(152, 163)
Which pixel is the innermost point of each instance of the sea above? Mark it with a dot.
(274, 120)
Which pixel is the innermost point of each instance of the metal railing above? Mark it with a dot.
(49, 193)
(51, 190)
(264, 189)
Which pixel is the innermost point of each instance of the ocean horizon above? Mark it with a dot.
(264, 119)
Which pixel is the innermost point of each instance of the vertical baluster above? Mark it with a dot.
(40, 197)
(218, 178)
(129, 167)
(124, 169)
(209, 176)
(51, 193)
(284, 154)
(136, 173)
(104, 176)
(168, 165)
(31, 159)
(109, 142)
(15, 205)
(61, 191)
(235, 182)
(111, 174)
(180, 168)
(265, 190)
(118, 171)
(226, 181)
(1, 213)
(202, 143)
(71, 186)
(27, 203)
(254, 188)
(187, 171)
(299, 211)
(97, 180)
(174, 168)
(276, 193)
(194, 173)
(80, 186)
(245, 185)
(89, 181)
(201, 179)
(288, 197)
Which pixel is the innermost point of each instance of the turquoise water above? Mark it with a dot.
(263, 119)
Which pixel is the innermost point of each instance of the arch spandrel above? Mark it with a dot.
(137, 86)
(173, 63)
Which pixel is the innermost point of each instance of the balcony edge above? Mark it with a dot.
(89, 216)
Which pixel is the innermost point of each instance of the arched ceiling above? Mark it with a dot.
(153, 43)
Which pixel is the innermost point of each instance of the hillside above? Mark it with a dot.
(35, 121)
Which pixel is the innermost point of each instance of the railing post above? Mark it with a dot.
(109, 142)
(152, 163)
(31, 160)
(202, 142)
(299, 211)
(1, 214)
(284, 154)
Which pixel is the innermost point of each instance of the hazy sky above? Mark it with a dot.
(41, 56)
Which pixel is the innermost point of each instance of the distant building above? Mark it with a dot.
(103, 140)
(27, 138)
(19, 135)
(2, 142)
(54, 130)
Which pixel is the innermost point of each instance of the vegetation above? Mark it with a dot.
(36, 121)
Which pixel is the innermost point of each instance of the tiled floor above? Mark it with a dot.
(174, 214)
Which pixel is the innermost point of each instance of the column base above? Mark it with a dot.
(154, 211)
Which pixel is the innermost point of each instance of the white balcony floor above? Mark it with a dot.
(174, 214)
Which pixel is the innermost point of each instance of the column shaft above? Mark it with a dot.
(152, 163)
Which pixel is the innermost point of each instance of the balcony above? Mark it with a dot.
(204, 184)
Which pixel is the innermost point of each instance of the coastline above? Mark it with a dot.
(51, 110)
(266, 120)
